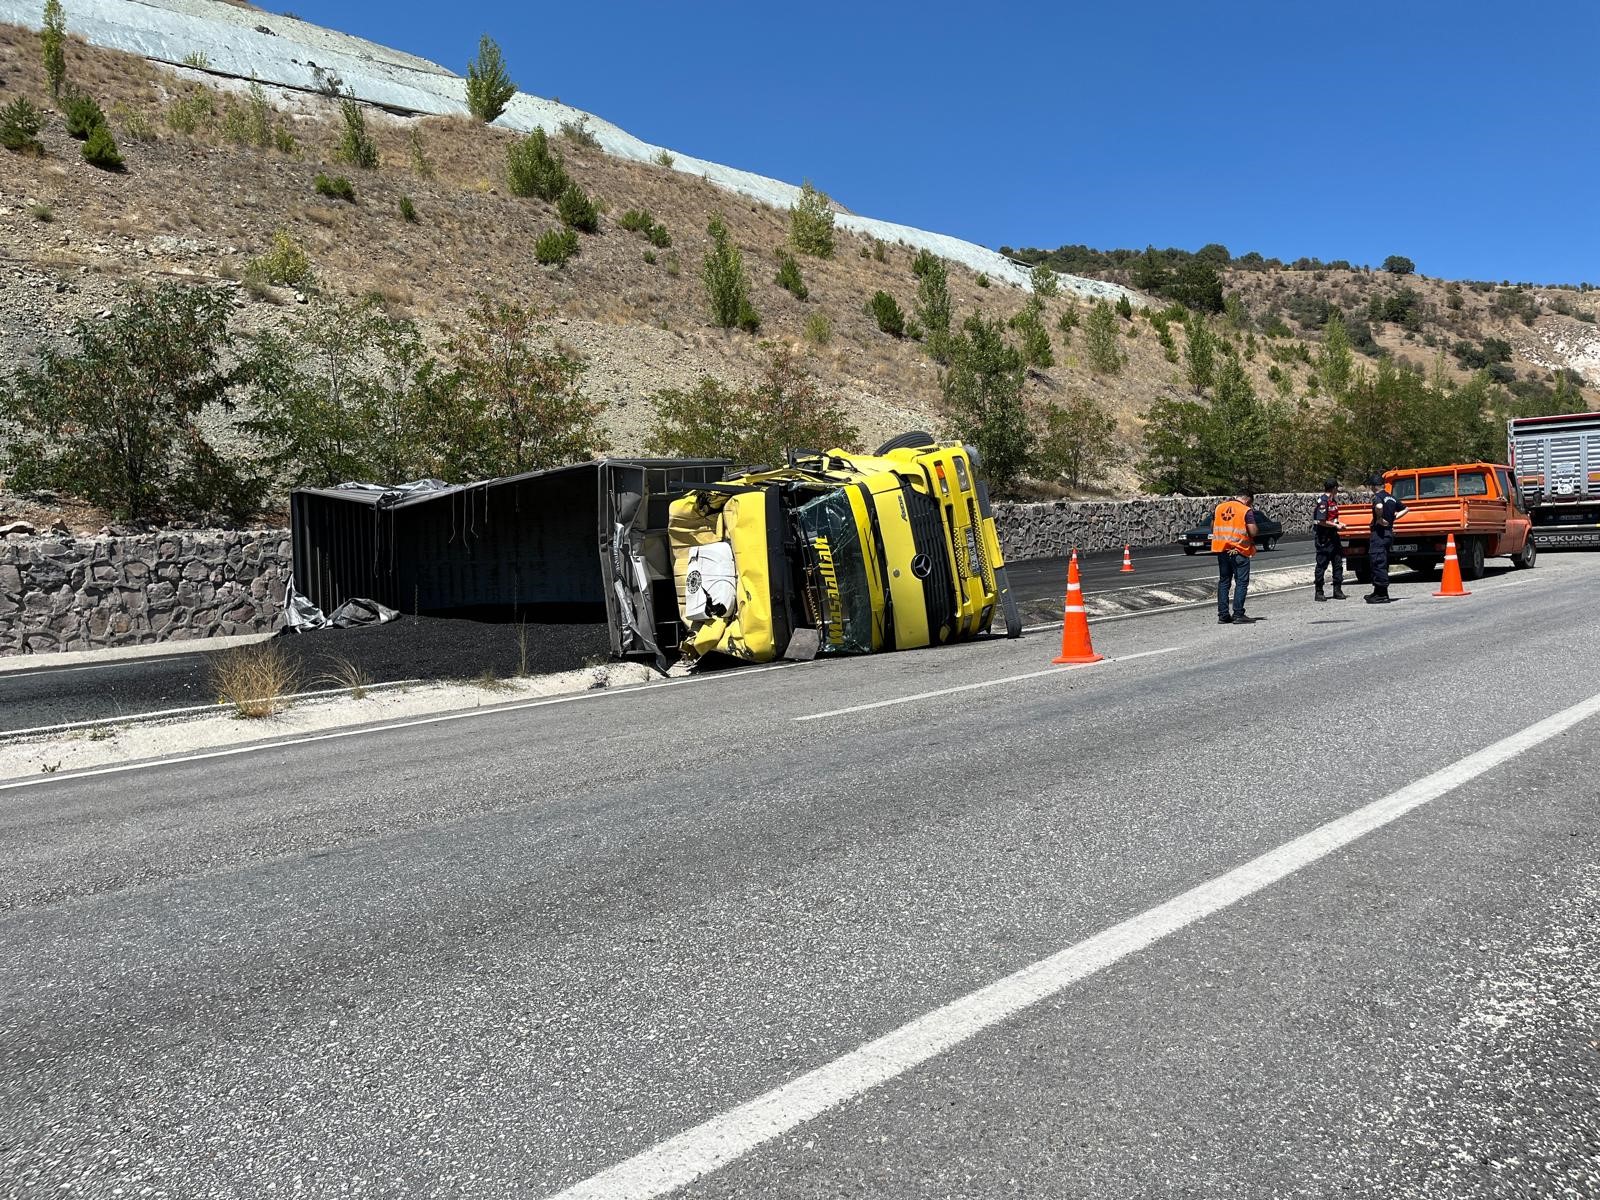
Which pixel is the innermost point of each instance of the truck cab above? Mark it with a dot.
(840, 553)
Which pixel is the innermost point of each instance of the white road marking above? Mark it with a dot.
(217, 707)
(333, 734)
(984, 683)
(680, 1160)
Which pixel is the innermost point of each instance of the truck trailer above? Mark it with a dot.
(1557, 463)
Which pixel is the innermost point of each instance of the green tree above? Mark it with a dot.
(811, 223)
(489, 85)
(1197, 285)
(1175, 435)
(1045, 282)
(933, 303)
(1399, 264)
(534, 168)
(1150, 273)
(118, 417)
(722, 272)
(1199, 352)
(1335, 363)
(886, 311)
(344, 392)
(753, 425)
(1100, 340)
(20, 121)
(516, 404)
(53, 46)
(1080, 441)
(1236, 449)
(981, 391)
(789, 278)
(1029, 324)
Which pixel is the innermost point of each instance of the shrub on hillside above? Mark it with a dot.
(811, 223)
(285, 265)
(100, 149)
(788, 277)
(1124, 307)
(1399, 264)
(83, 115)
(248, 122)
(885, 310)
(555, 246)
(636, 220)
(20, 122)
(408, 210)
(819, 329)
(1029, 323)
(578, 131)
(356, 146)
(190, 113)
(133, 122)
(489, 86)
(421, 164)
(335, 187)
(577, 210)
(1079, 443)
(534, 168)
(1045, 283)
(659, 237)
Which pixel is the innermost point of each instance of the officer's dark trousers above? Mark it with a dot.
(1379, 549)
(1329, 551)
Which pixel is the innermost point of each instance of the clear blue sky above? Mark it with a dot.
(1464, 134)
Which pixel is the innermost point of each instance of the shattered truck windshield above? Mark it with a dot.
(836, 593)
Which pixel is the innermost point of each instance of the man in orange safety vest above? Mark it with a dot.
(1233, 541)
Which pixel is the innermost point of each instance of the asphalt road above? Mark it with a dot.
(44, 695)
(501, 954)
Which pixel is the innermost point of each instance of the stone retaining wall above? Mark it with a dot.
(1053, 528)
(61, 593)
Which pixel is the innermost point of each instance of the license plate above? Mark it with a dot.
(1404, 548)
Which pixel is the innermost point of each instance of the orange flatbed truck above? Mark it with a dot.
(1479, 503)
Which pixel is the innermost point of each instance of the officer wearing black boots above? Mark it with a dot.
(1326, 525)
(1386, 510)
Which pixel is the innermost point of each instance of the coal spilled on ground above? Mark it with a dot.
(438, 648)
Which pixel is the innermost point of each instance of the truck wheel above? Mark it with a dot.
(1470, 552)
(1525, 558)
(913, 440)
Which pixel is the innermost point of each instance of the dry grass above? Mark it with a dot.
(255, 681)
(346, 676)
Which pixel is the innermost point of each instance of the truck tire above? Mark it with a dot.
(1470, 551)
(912, 440)
(1525, 558)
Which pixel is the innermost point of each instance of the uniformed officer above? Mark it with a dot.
(1233, 541)
(1326, 525)
(1386, 510)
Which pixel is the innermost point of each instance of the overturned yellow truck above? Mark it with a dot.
(840, 553)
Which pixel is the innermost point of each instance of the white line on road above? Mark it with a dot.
(680, 1160)
(984, 683)
(363, 730)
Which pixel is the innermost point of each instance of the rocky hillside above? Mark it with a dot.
(198, 201)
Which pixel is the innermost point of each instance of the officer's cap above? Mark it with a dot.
(1330, 485)
(1376, 480)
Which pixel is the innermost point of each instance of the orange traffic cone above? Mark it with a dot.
(1075, 647)
(1451, 584)
(1127, 560)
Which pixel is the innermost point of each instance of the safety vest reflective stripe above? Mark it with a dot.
(1228, 529)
